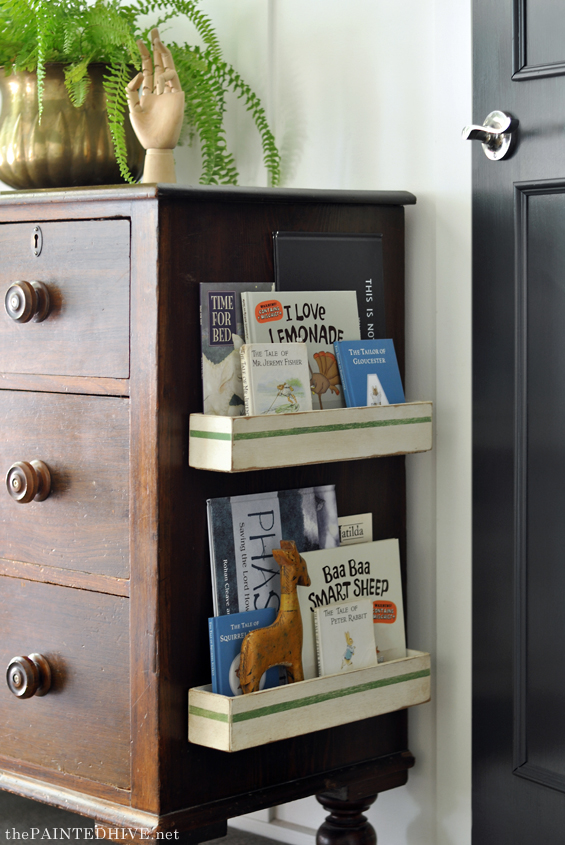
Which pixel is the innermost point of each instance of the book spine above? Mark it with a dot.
(212, 560)
(245, 378)
(343, 374)
(212, 655)
(246, 319)
(317, 636)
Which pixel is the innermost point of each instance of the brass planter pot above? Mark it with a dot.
(70, 147)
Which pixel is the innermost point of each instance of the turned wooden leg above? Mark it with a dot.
(346, 824)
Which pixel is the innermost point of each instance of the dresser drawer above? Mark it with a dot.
(85, 266)
(81, 725)
(83, 441)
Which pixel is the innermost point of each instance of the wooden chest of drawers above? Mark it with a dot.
(108, 576)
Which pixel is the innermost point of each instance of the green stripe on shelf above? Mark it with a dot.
(313, 429)
(210, 435)
(207, 714)
(312, 699)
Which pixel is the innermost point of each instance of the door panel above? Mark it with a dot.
(540, 474)
(543, 31)
(519, 431)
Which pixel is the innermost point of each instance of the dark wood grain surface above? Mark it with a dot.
(81, 726)
(85, 267)
(84, 440)
(225, 242)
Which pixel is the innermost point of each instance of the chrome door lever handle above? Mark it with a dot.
(497, 134)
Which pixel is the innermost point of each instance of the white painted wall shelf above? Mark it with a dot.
(244, 721)
(237, 444)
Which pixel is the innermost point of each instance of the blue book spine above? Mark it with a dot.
(212, 655)
(226, 636)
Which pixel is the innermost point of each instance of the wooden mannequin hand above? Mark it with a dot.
(158, 115)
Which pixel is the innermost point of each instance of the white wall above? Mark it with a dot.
(373, 94)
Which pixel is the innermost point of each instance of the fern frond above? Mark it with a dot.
(178, 8)
(204, 112)
(228, 77)
(77, 81)
(116, 105)
(44, 30)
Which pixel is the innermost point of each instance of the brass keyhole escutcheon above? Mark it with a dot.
(36, 241)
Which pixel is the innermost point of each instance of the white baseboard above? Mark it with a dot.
(293, 834)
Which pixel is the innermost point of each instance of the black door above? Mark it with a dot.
(519, 429)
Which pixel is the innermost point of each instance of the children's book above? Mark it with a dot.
(226, 636)
(221, 332)
(369, 373)
(348, 573)
(318, 319)
(276, 378)
(326, 261)
(355, 529)
(344, 637)
(243, 531)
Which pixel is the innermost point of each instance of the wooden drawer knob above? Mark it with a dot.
(27, 301)
(27, 676)
(27, 481)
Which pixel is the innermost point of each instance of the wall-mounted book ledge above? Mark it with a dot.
(244, 721)
(236, 444)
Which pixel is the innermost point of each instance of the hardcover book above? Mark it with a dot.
(348, 573)
(276, 378)
(323, 261)
(221, 334)
(369, 373)
(226, 635)
(243, 530)
(318, 319)
(344, 637)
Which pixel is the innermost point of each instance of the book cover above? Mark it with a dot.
(276, 378)
(369, 373)
(357, 528)
(344, 637)
(347, 573)
(318, 319)
(226, 635)
(221, 335)
(243, 530)
(323, 261)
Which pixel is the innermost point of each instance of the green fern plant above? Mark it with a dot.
(78, 33)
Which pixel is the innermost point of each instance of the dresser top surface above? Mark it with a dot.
(207, 193)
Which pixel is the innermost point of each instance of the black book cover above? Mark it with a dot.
(327, 261)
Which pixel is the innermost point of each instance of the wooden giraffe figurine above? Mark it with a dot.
(281, 643)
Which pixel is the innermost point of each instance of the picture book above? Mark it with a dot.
(221, 334)
(348, 573)
(226, 635)
(243, 530)
(355, 529)
(344, 637)
(318, 319)
(369, 373)
(327, 261)
(276, 378)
